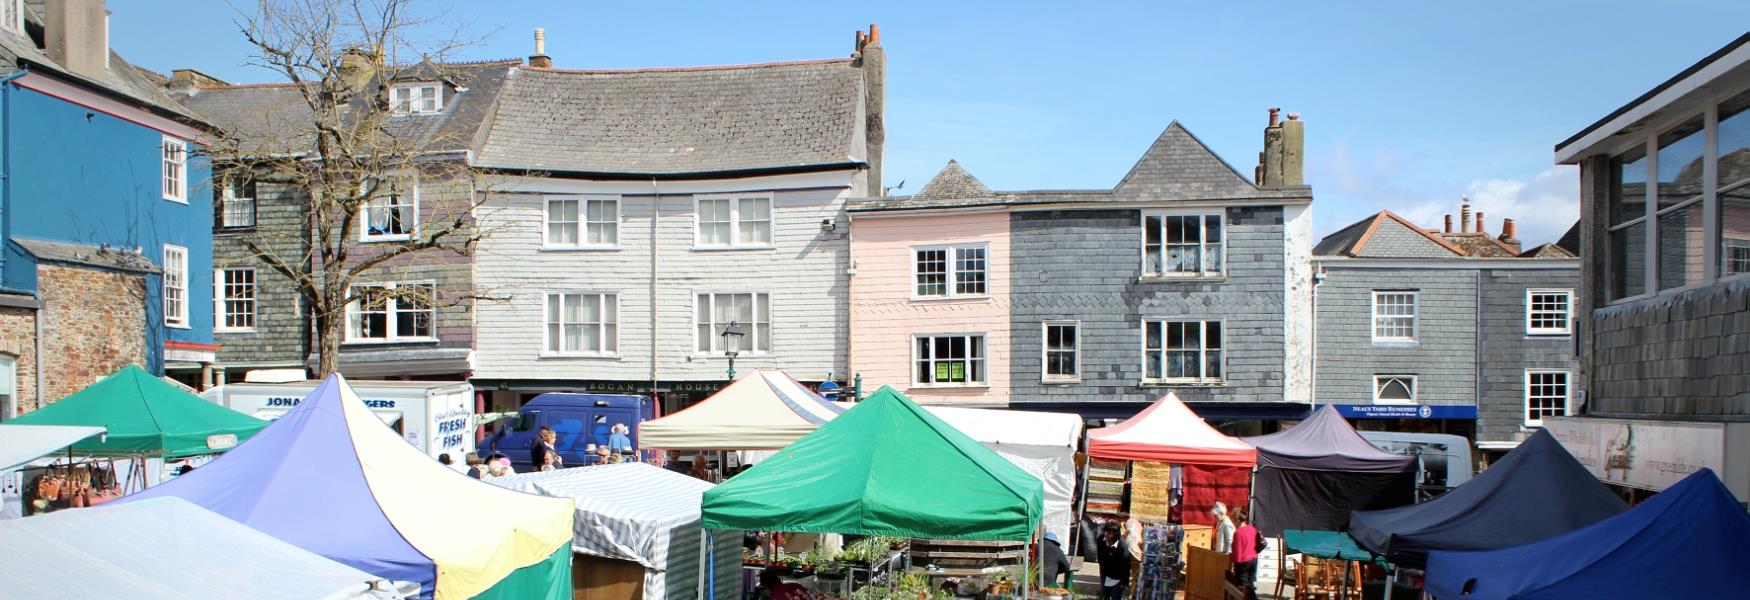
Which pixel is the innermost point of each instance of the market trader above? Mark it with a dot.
(1114, 559)
(1054, 562)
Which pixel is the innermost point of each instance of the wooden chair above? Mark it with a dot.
(1327, 579)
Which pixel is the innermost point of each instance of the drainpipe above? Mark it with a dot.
(655, 211)
(6, 226)
(1318, 280)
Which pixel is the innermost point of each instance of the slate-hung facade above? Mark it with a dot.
(1665, 312)
(1448, 330)
(643, 211)
(104, 207)
(1186, 276)
(262, 323)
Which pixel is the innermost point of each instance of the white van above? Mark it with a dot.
(434, 416)
(1443, 460)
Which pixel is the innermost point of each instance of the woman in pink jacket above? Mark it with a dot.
(1245, 550)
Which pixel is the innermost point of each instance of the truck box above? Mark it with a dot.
(434, 416)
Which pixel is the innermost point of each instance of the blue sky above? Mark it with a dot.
(1408, 105)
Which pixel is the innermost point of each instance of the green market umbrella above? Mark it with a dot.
(884, 467)
(1329, 544)
(146, 416)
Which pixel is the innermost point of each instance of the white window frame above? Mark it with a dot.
(414, 92)
(1045, 350)
(391, 311)
(364, 216)
(13, 18)
(1415, 315)
(1415, 389)
(1567, 394)
(583, 222)
(984, 358)
(228, 198)
(222, 300)
(175, 278)
(1730, 263)
(1567, 313)
(951, 286)
(750, 342)
(604, 340)
(1202, 243)
(173, 169)
(735, 241)
(1203, 350)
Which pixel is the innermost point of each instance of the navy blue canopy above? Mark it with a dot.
(1537, 491)
(1312, 475)
(1690, 541)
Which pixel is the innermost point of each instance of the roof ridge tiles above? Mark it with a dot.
(763, 65)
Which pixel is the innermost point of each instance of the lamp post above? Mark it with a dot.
(732, 335)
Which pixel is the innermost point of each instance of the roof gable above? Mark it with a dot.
(1178, 166)
(953, 183)
(1386, 235)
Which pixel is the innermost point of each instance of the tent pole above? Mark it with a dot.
(1391, 581)
(1082, 509)
(699, 583)
(711, 573)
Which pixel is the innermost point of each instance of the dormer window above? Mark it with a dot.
(12, 16)
(422, 98)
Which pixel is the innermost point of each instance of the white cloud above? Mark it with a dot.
(1544, 207)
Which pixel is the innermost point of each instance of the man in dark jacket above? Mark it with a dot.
(1114, 562)
(1054, 562)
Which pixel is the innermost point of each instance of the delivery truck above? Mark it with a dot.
(435, 416)
(581, 422)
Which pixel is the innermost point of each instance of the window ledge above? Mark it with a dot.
(698, 248)
(1060, 381)
(1396, 344)
(949, 386)
(371, 239)
(1182, 278)
(1181, 384)
(419, 340)
(614, 248)
(708, 355)
(234, 330)
(944, 299)
(178, 326)
(1549, 334)
(233, 228)
(588, 355)
(176, 200)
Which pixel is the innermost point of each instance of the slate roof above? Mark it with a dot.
(953, 183)
(679, 121)
(1481, 245)
(1570, 241)
(121, 79)
(1550, 250)
(274, 118)
(1176, 167)
(91, 256)
(1352, 241)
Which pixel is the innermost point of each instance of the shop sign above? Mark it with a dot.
(1645, 454)
(1407, 411)
(221, 441)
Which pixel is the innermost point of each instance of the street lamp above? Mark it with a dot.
(732, 335)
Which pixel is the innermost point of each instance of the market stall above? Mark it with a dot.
(21, 444)
(331, 478)
(764, 409)
(1311, 476)
(1040, 443)
(885, 467)
(167, 548)
(637, 531)
(1690, 541)
(1534, 492)
(145, 417)
(1217, 467)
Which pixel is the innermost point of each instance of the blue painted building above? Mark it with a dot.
(106, 211)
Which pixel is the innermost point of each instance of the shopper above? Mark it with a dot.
(1245, 552)
(476, 467)
(543, 455)
(619, 442)
(1224, 529)
(699, 471)
(1054, 562)
(1114, 562)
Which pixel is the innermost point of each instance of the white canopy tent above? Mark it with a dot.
(643, 514)
(1043, 444)
(21, 444)
(167, 548)
(764, 409)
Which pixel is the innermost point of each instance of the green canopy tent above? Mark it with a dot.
(884, 467)
(145, 416)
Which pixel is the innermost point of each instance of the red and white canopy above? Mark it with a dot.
(1167, 431)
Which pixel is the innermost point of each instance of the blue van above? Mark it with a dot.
(579, 420)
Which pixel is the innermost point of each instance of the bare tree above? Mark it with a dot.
(351, 160)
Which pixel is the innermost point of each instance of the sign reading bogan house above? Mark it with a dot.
(1652, 455)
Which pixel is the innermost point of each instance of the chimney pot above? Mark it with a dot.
(1509, 231)
(1294, 116)
(874, 34)
(539, 59)
(1480, 228)
(1448, 223)
(540, 41)
(1273, 111)
(1464, 216)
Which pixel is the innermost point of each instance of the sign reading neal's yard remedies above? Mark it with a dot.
(1646, 454)
(1406, 411)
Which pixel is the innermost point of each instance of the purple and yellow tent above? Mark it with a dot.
(329, 477)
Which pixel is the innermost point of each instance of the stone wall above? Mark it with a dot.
(94, 322)
(18, 340)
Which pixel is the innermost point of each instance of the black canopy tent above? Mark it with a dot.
(1314, 474)
(1535, 492)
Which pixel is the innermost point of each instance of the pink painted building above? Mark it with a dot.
(929, 296)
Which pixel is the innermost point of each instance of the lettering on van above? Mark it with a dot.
(452, 432)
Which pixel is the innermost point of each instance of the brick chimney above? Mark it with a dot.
(1281, 164)
(1509, 232)
(1480, 228)
(539, 59)
(358, 66)
(872, 59)
(1448, 223)
(76, 35)
(193, 78)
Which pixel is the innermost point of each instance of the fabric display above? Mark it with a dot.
(1204, 485)
(1106, 486)
(1151, 491)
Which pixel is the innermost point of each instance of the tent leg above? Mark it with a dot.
(704, 563)
(711, 573)
(1391, 581)
(1081, 509)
